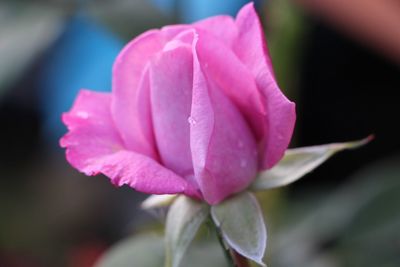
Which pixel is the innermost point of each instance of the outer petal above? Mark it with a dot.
(130, 102)
(223, 148)
(252, 50)
(171, 79)
(94, 146)
(221, 65)
(251, 46)
(138, 171)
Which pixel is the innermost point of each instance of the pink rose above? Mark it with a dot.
(194, 109)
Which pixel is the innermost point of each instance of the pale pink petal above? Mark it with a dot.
(130, 103)
(171, 79)
(252, 50)
(94, 146)
(223, 148)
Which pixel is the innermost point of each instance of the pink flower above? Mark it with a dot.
(195, 109)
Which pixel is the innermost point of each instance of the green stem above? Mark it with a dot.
(233, 258)
(240, 260)
(227, 253)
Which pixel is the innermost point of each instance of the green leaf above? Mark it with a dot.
(183, 220)
(242, 225)
(157, 201)
(298, 162)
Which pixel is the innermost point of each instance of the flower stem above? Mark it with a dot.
(240, 261)
(233, 258)
(227, 253)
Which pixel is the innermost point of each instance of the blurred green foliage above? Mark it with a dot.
(356, 225)
(285, 27)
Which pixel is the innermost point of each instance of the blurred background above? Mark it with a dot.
(338, 60)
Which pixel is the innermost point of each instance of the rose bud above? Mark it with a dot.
(194, 109)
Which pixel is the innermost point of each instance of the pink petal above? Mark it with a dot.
(251, 46)
(221, 65)
(171, 31)
(94, 146)
(223, 148)
(171, 79)
(91, 130)
(138, 171)
(130, 103)
(221, 27)
(252, 50)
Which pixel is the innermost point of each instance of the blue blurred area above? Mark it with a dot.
(190, 11)
(167, 6)
(82, 57)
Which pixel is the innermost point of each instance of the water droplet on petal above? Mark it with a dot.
(191, 121)
(243, 163)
